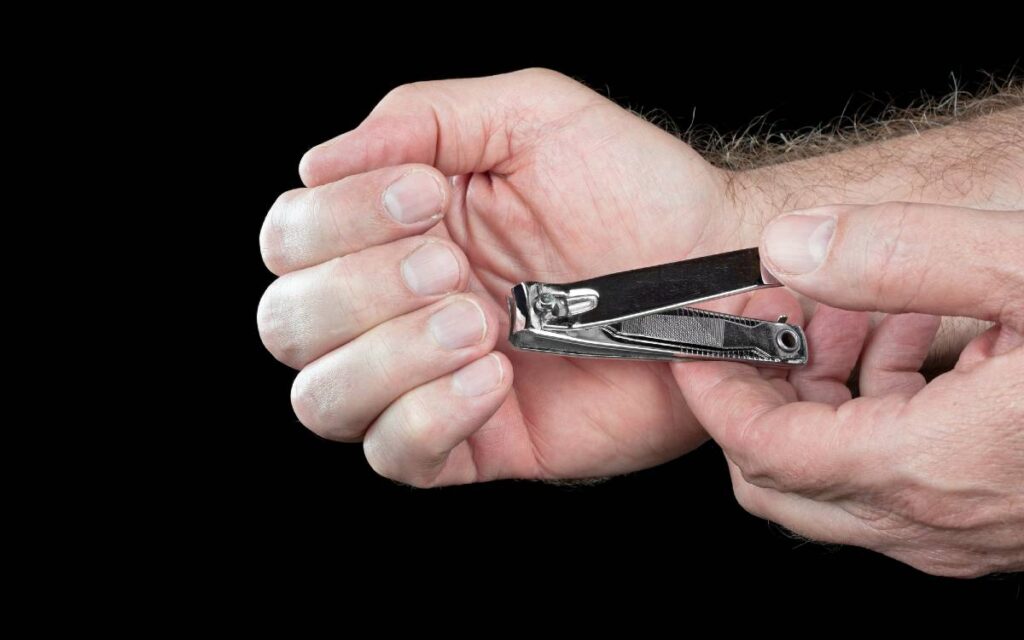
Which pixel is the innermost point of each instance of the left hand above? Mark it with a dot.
(930, 474)
(397, 321)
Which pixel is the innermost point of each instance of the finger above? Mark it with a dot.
(458, 126)
(339, 395)
(807, 447)
(308, 226)
(900, 257)
(997, 341)
(306, 313)
(731, 399)
(895, 352)
(766, 304)
(835, 338)
(420, 439)
(820, 521)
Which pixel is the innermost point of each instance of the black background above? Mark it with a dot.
(679, 520)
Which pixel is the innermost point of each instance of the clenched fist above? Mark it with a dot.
(396, 259)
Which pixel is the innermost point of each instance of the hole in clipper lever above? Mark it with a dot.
(787, 340)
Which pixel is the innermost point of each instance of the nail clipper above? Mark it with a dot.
(645, 314)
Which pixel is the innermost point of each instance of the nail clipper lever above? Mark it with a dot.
(644, 314)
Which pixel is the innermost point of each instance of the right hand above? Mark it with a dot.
(397, 322)
(929, 473)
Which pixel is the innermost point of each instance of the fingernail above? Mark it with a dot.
(798, 243)
(431, 270)
(478, 378)
(460, 324)
(413, 197)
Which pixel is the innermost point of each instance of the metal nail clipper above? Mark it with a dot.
(644, 314)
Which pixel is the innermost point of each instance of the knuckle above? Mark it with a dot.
(784, 475)
(951, 563)
(420, 454)
(749, 498)
(798, 474)
(308, 405)
(424, 434)
(274, 326)
(544, 74)
(381, 463)
(386, 466)
(316, 400)
(403, 93)
(275, 232)
(756, 474)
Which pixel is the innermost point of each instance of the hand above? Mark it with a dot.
(398, 322)
(931, 474)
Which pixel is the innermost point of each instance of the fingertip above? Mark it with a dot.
(308, 168)
(420, 439)
(483, 377)
(330, 160)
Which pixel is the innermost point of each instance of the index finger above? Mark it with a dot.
(808, 447)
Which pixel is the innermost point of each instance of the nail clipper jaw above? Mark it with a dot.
(537, 305)
(556, 307)
(527, 315)
(534, 326)
(520, 311)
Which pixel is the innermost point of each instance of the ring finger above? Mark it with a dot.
(340, 394)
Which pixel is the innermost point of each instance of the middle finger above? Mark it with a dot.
(306, 313)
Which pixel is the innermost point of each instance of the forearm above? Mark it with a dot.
(975, 163)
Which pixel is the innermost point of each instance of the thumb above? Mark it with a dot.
(459, 126)
(898, 257)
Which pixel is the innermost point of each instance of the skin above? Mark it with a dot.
(931, 474)
(536, 177)
(554, 183)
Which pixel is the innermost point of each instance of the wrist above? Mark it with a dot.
(755, 197)
(739, 214)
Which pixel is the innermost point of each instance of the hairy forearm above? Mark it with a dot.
(978, 162)
(975, 163)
